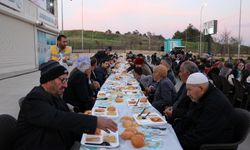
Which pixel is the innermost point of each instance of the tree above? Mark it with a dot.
(117, 32)
(108, 31)
(190, 34)
(224, 40)
(136, 32)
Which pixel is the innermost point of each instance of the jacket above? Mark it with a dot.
(45, 123)
(207, 122)
(78, 93)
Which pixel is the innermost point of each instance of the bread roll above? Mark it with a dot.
(137, 141)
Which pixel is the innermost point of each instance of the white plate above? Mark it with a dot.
(85, 138)
(102, 94)
(140, 104)
(148, 121)
(104, 113)
(130, 92)
(102, 135)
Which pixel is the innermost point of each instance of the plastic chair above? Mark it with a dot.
(8, 126)
(216, 81)
(227, 89)
(20, 101)
(248, 96)
(239, 93)
(241, 121)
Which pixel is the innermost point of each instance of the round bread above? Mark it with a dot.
(126, 135)
(126, 118)
(119, 100)
(131, 129)
(111, 108)
(127, 123)
(141, 134)
(137, 141)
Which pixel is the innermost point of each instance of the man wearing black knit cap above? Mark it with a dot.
(45, 122)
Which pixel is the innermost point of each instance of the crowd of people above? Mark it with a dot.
(52, 114)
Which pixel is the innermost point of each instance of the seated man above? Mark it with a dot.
(167, 62)
(182, 101)
(145, 81)
(45, 122)
(208, 120)
(165, 91)
(79, 93)
(101, 71)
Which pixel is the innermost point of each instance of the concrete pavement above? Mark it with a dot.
(12, 89)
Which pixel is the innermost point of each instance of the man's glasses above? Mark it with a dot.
(63, 80)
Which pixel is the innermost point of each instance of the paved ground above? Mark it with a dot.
(13, 89)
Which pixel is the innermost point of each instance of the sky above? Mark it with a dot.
(161, 17)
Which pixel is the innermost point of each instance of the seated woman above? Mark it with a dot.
(165, 91)
(78, 93)
(236, 72)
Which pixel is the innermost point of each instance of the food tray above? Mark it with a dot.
(132, 102)
(103, 111)
(149, 119)
(96, 140)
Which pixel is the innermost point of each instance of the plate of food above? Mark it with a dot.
(149, 118)
(104, 139)
(141, 102)
(101, 94)
(110, 111)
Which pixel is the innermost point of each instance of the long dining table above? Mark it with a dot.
(123, 85)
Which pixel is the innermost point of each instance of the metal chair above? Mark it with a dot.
(7, 131)
(241, 121)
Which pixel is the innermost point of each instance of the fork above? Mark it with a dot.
(144, 117)
(141, 112)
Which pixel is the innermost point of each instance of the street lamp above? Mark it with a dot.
(239, 31)
(82, 25)
(204, 5)
(62, 14)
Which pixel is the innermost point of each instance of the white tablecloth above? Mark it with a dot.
(155, 138)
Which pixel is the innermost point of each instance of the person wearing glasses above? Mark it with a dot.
(45, 121)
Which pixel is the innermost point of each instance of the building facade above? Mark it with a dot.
(27, 28)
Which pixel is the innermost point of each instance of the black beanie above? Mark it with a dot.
(51, 70)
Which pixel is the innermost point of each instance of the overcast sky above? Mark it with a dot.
(156, 16)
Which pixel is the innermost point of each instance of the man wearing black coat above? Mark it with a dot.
(101, 71)
(209, 119)
(45, 122)
(79, 93)
(182, 102)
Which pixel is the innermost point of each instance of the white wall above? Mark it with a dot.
(17, 45)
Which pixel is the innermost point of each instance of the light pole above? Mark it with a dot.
(204, 5)
(82, 25)
(239, 42)
(62, 14)
(149, 42)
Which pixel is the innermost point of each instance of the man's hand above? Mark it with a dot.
(168, 111)
(106, 124)
(96, 84)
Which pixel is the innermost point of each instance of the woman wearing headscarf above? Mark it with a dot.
(78, 93)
